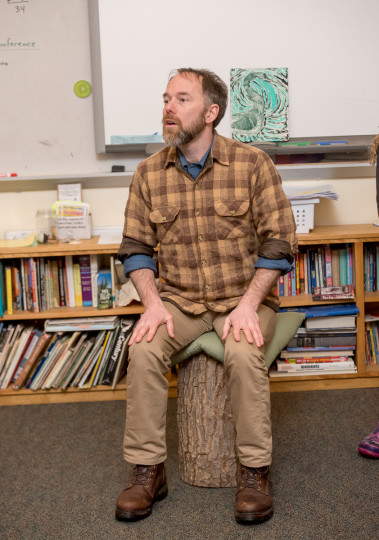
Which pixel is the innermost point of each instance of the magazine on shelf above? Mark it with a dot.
(82, 324)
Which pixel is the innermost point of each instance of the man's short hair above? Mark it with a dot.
(214, 89)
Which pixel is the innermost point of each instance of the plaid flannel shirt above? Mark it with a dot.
(210, 231)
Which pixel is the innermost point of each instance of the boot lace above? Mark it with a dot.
(142, 475)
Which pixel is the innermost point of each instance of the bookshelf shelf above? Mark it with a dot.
(371, 296)
(43, 182)
(367, 376)
(66, 312)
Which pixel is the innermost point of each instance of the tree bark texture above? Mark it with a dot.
(207, 454)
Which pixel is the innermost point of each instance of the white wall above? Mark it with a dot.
(35, 152)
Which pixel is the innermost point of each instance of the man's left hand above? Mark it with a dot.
(245, 319)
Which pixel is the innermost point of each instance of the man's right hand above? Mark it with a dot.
(149, 323)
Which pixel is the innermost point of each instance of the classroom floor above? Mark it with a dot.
(61, 469)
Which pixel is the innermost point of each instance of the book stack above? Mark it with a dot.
(322, 266)
(65, 353)
(324, 344)
(372, 339)
(371, 267)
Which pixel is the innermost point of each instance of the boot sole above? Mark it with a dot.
(253, 517)
(125, 515)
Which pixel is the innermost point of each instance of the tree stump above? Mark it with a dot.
(207, 455)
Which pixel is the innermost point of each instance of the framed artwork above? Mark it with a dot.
(259, 104)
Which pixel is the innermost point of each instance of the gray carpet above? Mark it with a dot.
(61, 470)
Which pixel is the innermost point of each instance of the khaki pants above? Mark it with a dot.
(246, 372)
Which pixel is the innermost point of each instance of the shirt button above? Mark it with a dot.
(200, 237)
(197, 212)
(207, 287)
(203, 262)
(232, 211)
(164, 218)
(196, 186)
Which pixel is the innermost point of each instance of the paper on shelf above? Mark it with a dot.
(19, 242)
(309, 190)
(110, 238)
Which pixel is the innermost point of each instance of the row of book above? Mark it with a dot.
(40, 283)
(371, 267)
(318, 267)
(324, 344)
(372, 339)
(64, 353)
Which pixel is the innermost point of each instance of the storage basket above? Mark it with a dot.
(303, 212)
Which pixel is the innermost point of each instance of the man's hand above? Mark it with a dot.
(155, 313)
(245, 316)
(149, 323)
(245, 319)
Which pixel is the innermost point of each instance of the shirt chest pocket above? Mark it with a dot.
(232, 219)
(166, 220)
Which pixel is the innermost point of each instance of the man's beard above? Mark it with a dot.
(182, 136)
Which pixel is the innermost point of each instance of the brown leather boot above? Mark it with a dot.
(147, 484)
(254, 496)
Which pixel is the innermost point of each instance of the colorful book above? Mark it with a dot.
(94, 270)
(343, 292)
(104, 285)
(314, 366)
(85, 279)
(8, 289)
(1, 291)
(77, 285)
(70, 280)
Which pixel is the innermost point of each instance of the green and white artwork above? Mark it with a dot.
(259, 104)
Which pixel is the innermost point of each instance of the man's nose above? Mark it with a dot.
(170, 107)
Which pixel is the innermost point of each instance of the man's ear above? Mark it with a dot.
(212, 113)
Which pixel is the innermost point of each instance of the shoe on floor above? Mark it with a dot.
(369, 446)
(254, 495)
(147, 485)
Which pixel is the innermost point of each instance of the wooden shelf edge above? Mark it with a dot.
(105, 393)
(323, 384)
(68, 312)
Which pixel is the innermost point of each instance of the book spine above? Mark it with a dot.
(85, 279)
(8, 286)
(302, 273)
(297, 273)
(94, 270)
(315, 366)
(322, 341)
(34, 285)
(55, 282)
(61, 287)
(312, 360)
(328, 266)
(77, 285)
(122, 339)
(113, 282)
(104, 289)
(34, 338)
(70, 280)
(343, 266)
(1, 290)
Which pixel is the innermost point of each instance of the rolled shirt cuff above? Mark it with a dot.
(274, 264)
(138, 261)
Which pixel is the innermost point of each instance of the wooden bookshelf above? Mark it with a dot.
(367, 376)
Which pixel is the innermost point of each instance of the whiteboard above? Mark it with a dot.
(329, 48)
(44, 50)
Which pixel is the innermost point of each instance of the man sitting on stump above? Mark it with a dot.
(226, 232)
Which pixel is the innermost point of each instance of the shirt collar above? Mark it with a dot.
(217, 152)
